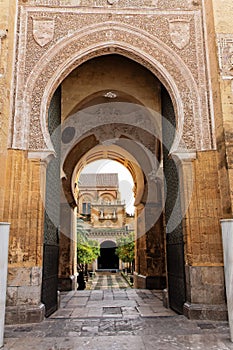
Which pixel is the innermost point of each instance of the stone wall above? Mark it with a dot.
(7, 46)
(215, 98)
(223, 27)
(24, 210)
(203, 241)
(21, 199)
(205, 291)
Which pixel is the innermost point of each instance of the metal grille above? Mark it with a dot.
(50, 278)
(174, 239)
(52, 211)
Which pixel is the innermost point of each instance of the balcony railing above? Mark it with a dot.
(108, 217)
(107, 203)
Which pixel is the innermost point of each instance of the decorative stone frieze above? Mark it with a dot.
(161, 4)
(225, 55)
(54, 41)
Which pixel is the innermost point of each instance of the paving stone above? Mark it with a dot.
(90, 329)
(63, 313)
(108, 297)
(80, 312)
(95, 312)
(139, 323)
(111, 310)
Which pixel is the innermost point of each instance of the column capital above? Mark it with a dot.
(184, 156)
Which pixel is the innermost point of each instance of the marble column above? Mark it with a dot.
(227, 238)
(4, 237)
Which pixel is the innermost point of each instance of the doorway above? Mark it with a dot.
(108, 259)
(102, 110)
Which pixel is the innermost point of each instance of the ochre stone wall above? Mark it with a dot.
(7, 23)
(203, 243)
(24, 209)
(205, 291)
(215, 96)
(20, 199)
(223, 28)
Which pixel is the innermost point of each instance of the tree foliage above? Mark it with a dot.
(126, 248)
(87, 250)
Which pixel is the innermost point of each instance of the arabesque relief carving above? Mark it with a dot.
(160, 4)
(225, 53)
(170, 44)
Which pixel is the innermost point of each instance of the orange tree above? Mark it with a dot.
(126, 248)
(87, 250)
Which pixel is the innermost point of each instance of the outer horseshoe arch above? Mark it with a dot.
(47, 75)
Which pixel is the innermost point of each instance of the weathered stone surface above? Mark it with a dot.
(12, 295)
(25, 314)
(205, 285)
(29, 295)
(36, 276)
(205, 312)
(19, 277)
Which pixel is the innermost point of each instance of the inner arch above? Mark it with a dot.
(118, 154)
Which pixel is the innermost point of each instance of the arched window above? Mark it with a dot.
(86, 208)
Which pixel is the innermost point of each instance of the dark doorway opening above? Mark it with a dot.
(108, 260)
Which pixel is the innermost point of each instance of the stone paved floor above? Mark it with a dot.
(107, 281)
(117, 319)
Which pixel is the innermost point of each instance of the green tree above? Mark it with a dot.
(87, 250)
(126, 248)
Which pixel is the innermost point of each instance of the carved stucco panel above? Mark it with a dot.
(121, 37)
(42, 67)
(155, 24)
(118, 4)
(68, 22)
(225, 55)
